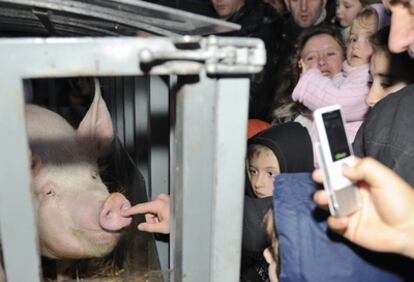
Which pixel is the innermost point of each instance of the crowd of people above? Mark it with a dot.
(356, 57)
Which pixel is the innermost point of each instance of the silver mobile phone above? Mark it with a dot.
(333, 151)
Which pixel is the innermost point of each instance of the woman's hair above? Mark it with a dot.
(290, 77)
(401, 66)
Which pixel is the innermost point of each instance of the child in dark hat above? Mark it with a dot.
(285, 148)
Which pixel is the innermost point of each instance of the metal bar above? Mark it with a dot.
(231, 123)
(210, 147)
(86, 9)
(17, 223)
(142, 130)
(159, 148)
(89, 56)
(44, 18)
(170, 21)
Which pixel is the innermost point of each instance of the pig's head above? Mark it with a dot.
(76, 216)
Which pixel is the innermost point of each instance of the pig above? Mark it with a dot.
(75, 215)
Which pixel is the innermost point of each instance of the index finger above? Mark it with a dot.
(148, 207)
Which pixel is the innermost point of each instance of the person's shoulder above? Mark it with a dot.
(257, 15)
(400, 99)
(392, 111)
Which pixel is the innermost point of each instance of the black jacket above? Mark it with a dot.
(201, 7)
(388, 133)
(259, 20)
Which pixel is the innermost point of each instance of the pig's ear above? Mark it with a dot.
(36, 165)
(96, 127)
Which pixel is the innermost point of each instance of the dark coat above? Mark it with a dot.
(258, 19)
(308, 251)
(201, 7)
(387, 135)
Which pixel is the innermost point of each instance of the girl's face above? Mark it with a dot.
(346, 11)
(359, 48)
(323, 52)
(263, 168)
(382, 82)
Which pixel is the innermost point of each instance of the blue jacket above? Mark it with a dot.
(310, 252)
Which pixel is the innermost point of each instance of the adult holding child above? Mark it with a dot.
(325, 42)
(348, 88)
(301, 15)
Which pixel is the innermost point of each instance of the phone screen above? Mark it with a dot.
(336, 134)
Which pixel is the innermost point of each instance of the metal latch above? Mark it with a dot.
(217, 55)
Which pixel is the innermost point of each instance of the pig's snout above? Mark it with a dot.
(110, 217)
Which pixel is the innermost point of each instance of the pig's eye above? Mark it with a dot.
(94, 174)
(49, 189)
(50, 192)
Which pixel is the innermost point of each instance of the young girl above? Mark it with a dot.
(348, 88)
(390, 72)
(346, 12)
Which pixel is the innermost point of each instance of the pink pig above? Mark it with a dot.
(76, 216)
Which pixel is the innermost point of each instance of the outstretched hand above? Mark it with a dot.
(157, 214)
(385, 221)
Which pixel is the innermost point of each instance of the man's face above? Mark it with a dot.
(226, 8)
(305, 12)
(402, 28)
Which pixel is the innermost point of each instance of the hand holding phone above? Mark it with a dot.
(334, 151)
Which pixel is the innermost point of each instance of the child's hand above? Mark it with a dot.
(272, 265)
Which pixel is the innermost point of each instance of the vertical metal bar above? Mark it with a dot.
(172, 167)
(128, 87)
(194, 180)
(230, 140)
(119, 102)
(142, 130)
(17, 223)
(210, 147)
(159, 144)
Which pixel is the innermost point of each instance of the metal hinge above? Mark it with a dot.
(217, 55)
